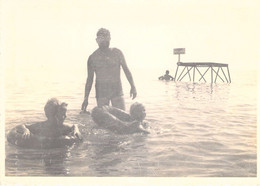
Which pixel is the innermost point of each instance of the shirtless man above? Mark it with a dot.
(106, 62)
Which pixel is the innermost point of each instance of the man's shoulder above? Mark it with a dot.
(92, 58)
(116, 50)
(95, 53)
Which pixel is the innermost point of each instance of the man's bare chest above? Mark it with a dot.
(106, 61)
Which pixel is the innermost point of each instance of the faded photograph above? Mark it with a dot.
(130, 88)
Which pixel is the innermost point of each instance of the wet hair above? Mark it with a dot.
(103, 32)
(51, 107)
(135, 110)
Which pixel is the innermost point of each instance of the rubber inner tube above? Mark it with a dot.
(35, 141)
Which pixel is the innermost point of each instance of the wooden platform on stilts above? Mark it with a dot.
(217, 71)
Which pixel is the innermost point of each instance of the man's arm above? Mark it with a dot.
(120, 114)
(161, 78)
(22, 129)
(71, 129)
(128, 74)
(88, 85)
(76, 131)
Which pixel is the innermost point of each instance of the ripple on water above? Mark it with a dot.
(197, 129)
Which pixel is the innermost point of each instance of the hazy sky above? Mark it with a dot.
(61, 33)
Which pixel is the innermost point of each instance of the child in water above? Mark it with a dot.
(54, 126)
(119, 121)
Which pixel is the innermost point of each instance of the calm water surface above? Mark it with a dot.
(197, 129)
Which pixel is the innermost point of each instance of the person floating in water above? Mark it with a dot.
(118, 121)
(105, 63)
(54, 126)
(166, 76)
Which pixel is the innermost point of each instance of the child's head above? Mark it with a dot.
(55, 110)
(137, 111)
(51, 108)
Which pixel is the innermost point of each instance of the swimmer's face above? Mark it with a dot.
(103, 41)
(139, 113)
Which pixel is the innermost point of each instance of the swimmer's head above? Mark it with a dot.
(51, 108)
(137, 111)
(103, 38)
(54, 110)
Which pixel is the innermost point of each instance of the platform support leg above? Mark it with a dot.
(193, 74)
(204, 74)
(211, 74)
(224, 74)
(176, 73)
(181, 73)
(216, 75)
(189, 72)
(201, 75)
(229, 75)
(186, 73)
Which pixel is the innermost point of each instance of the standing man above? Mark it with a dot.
(106, 62)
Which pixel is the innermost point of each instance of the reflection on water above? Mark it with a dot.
(197, 129)
(37, 162)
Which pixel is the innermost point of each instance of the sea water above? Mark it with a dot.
(196, 129)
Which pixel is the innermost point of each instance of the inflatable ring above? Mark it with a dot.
(40, 142)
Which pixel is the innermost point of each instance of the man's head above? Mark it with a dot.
(55, 110)
(103, 38)
(51, 108)
(167, 72)
(137, 111)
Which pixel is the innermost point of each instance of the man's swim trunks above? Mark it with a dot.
(109, 90)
